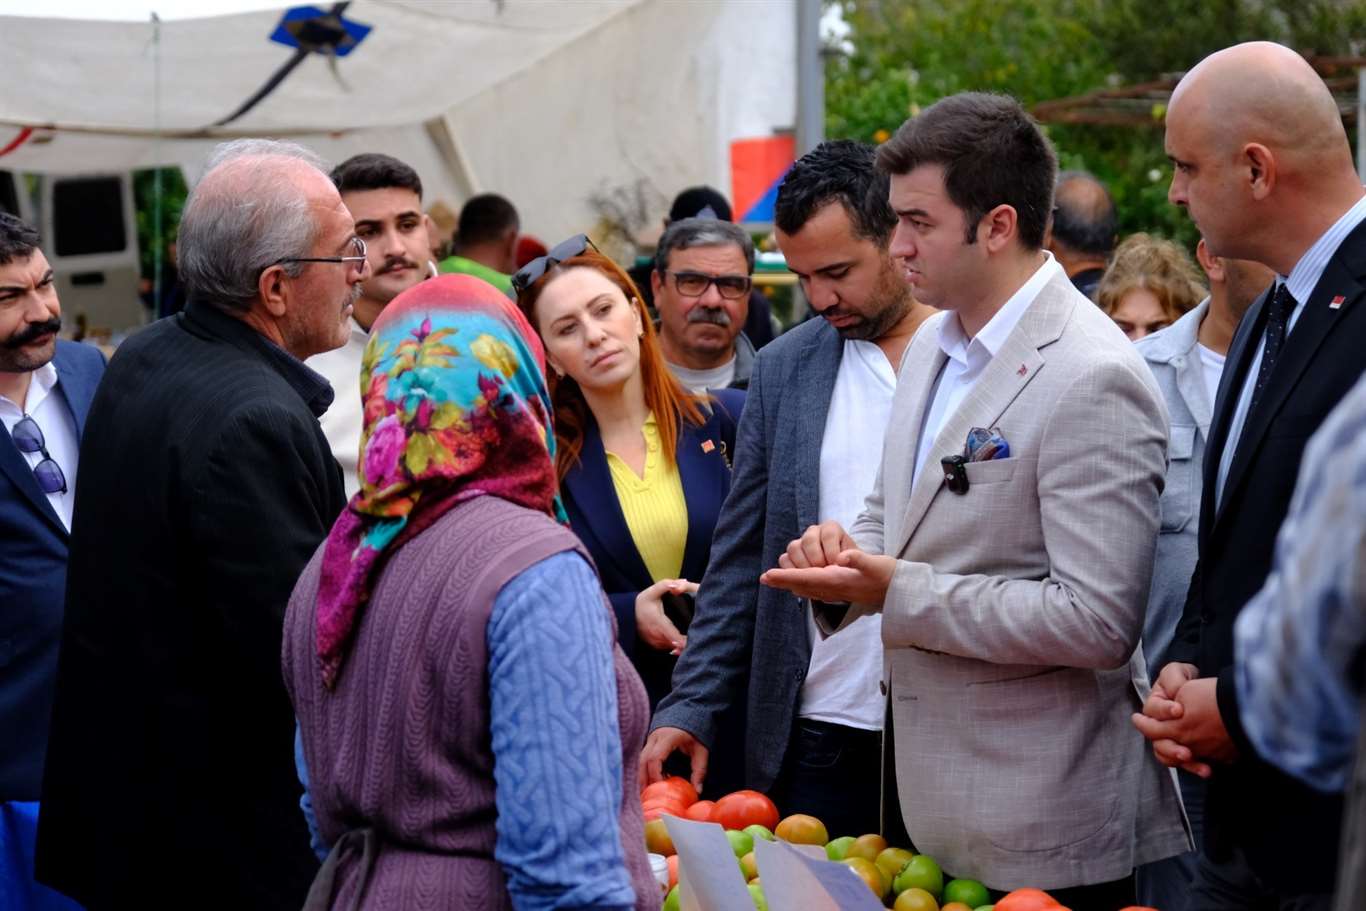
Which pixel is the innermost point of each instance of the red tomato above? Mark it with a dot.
(745, 808)
(701, 811)
(654, 811)
(1029, 900)
(675, 787)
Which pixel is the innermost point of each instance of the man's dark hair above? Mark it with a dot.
(485, 218)
(17, 239)
(375, 171)
(992, 153)
(702, 232)
(695, 201)
(839, 171)
(1084, 216)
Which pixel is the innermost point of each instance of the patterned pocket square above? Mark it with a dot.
(985, 445)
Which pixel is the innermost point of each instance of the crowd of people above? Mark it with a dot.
(379, 575)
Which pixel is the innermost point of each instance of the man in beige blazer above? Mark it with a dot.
(1012, 599)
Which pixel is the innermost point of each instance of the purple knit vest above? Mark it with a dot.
(402, 745)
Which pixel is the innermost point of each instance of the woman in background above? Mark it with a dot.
(1150, 284)
(429, 642)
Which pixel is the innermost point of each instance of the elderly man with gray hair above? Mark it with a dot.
(701, 283)
(205, 486)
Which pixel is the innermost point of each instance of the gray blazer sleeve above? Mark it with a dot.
(712, 670)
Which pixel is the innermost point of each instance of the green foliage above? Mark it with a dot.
(909, 53)
(173, 193)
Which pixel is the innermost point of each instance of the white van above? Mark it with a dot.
(90, 237)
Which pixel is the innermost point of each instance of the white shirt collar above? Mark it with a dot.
(1307, 272)
(39, 385)
(983, 346)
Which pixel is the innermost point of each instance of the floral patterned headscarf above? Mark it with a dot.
(456, 407)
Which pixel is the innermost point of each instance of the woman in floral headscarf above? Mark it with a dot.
(449, 642)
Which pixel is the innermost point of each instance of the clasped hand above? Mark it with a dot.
(1181, 719)
(826, 565)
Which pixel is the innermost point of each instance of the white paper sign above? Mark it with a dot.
(709, 877)
(795, 878)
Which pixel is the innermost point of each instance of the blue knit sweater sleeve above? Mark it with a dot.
(556, 742)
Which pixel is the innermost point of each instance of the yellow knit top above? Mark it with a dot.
(655, 510)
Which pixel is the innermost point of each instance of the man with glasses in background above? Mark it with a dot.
(701, 283)
(206, 484)
(45, 391)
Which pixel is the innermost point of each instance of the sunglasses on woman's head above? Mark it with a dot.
(532, 272)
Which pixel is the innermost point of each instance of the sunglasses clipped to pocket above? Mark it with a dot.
(982, 445)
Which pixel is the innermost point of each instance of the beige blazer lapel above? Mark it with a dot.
(1009, 372)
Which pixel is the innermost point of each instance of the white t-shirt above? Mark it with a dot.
(699, 381)
(842, 680)
(54, 418)
(1213, 364)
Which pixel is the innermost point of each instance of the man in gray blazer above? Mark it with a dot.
(817, 406)
(1187, 360)
(1012, 588)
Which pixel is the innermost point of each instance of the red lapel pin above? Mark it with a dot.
(1022, 371)
(1337, 302)
(708, 445)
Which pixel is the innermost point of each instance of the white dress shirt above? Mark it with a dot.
(54, 418)
(1301, 283)
(345, 418)
(841, 684)
(968, 357)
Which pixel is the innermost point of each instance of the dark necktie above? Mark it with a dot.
(1278, 318)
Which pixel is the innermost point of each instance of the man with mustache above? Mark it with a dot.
(384, 195)
(806, 450)
(45, 391)
(701, 283)
(206, 485)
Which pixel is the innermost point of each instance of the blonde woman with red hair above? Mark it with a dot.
(644, 465)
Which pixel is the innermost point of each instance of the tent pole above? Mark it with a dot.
(1361, 123)
(810, 77)
(158, 245)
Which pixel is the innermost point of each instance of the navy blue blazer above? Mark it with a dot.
(33, 546)
(596, 517)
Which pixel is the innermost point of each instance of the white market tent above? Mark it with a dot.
(548, 102)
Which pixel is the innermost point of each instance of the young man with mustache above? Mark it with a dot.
(384, 195)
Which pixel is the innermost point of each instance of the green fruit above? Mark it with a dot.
(758, 831)
(757, 895)
(740, 842)
(838, 849)
(892, 861)
(985, 908)
(921, 872)
(968, 891)
(671, 901)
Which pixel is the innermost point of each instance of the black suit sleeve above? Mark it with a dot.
(1185, 645)
(264, 505)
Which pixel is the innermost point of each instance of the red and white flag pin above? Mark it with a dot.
(1337, 302)
(708, 445)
